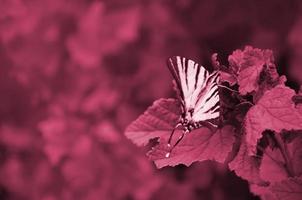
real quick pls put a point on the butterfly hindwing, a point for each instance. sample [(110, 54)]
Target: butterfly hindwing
[(207, 105), (197, 87)]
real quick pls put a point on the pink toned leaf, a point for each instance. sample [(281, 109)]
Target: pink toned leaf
[(274, 111), (245, 166), (248, 64), (290, 189), (157, 121), (272, 166), (198, 145)]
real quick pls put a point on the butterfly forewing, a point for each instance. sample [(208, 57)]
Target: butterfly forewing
[(198, 89)]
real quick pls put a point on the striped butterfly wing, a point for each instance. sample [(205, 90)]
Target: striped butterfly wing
[(198, 89)]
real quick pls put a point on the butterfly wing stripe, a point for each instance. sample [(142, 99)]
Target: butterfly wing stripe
[(212, 95), (200, 83), (213, 108), (183, 77), (216, 108), (196, 75), (175, 73), (185, 65)]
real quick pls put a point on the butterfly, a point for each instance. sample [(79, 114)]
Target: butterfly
[(197, 90)]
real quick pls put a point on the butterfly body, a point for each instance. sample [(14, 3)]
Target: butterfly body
[(197, 90)]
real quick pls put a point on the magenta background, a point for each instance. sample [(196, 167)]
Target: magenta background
[(74, 74)]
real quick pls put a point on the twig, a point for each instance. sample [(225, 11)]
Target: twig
[(225, 87), (246, 102)]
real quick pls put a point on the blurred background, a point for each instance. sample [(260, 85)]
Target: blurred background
[(75, 73)]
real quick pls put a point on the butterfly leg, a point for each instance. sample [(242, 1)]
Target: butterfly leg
[(172, 133), (179, 139)]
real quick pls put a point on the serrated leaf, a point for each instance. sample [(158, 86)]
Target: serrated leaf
[(157, 121), (274, 111), (198, 145), (289, 189), (248, 65)]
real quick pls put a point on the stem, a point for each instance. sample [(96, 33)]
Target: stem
[(222, 86), (284, 151), (246, 102)]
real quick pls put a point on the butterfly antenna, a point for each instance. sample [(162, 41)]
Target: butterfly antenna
[(177, 142)]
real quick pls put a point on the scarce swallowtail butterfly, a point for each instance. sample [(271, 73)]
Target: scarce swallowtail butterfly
[(198, 93)]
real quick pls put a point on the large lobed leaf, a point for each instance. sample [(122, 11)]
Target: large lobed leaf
[(278, 173), (198, 145), (274, 111)]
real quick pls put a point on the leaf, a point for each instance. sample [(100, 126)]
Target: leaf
[(157, 121), (272, 166), (198, 145), (248, 64), (289, 189), (274, 111), (246, 166)]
